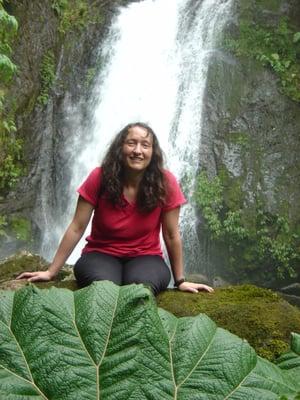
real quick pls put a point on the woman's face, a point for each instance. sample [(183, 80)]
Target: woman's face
[(137, 149)]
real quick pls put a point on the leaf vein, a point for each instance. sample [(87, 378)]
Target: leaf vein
[(24, 379)]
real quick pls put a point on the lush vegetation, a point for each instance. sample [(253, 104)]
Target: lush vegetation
[(10, 145), (107, 341), (75, 14), (47, 75), (277, 47), (258, 242)]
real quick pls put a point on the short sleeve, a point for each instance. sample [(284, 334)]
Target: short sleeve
[(175, 197), (90, 188)]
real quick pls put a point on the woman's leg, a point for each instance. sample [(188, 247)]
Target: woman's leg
[(150, 270), (97, 267)]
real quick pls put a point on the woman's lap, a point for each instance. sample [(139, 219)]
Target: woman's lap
[(149, 270), (96, 266)]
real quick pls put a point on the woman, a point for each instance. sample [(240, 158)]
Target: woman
[(132, 198)]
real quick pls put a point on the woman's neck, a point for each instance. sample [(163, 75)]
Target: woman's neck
[(133, 179)]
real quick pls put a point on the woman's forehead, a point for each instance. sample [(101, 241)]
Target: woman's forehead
[(138, 132)]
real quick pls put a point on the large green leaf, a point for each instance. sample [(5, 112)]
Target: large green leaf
[(290, 361), (109, 342)]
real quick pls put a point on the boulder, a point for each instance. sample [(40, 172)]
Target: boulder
[(260, 316)]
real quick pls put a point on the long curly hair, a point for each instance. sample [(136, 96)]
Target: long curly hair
[(152, 188)]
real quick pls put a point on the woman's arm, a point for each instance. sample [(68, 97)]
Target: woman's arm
[(70, 239), (172, 238)]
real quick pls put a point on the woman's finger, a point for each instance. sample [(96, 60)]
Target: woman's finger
[(33, 278), (25, 275)]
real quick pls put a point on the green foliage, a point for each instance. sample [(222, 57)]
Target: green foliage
[(47, 75), (256, 239), (8, 29), (3, 224), (10, 146), (21, 227), (90, 76), (209, 197), (274, 47), (10, 158), (109, 342), (73, 14)]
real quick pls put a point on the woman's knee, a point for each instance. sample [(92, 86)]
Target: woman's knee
[(152, 271), (92, 267)]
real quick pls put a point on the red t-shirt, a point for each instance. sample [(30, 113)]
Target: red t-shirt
[(125, 231)]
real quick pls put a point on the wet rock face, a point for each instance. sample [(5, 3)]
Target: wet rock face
[(42, 49), (251, 133)]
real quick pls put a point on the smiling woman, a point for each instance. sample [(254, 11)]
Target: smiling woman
[(132, 198), (137, 149)]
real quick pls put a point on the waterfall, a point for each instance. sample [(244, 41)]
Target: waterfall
[(156, 60)]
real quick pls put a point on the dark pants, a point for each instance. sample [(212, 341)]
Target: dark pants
[(149, 270)]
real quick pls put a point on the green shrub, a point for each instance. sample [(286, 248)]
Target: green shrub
[(47, 76), (10, 145), (277, 48), (257, 241)]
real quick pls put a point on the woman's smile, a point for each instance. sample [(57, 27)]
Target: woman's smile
[(137, 149)]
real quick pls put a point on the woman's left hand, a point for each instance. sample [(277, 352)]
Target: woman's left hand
[(194, 287)]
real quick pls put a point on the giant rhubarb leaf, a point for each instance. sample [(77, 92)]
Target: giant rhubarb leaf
[(109, 342), (290, 361)]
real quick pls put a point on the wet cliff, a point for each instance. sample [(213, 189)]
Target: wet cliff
[(56, 60), (250, 148)]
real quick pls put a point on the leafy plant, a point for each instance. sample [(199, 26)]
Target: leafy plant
[(111, 342), (275, 47), (253, 236), (3, 224), (73, 14), (10, 146), (47, 74)]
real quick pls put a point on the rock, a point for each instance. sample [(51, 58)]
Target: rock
[(25, 261), (197, 278), (260, 316), (220, 282), (292, 289)]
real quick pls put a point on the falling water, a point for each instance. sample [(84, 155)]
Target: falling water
[(157, 55)]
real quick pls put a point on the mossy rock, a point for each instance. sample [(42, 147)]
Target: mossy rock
[(258, 315), (14, 266)]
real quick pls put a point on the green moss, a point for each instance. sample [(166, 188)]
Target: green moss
[(14, 266), (233, 196), (272, 5), (15, 226), (21, 228), (258, 315), (240, 138)]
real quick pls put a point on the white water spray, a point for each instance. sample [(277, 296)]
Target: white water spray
[(157, 56)]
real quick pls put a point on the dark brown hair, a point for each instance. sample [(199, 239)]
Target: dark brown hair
[(152, 190)]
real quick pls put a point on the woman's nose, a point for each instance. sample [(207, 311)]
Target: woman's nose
[(138, 148)]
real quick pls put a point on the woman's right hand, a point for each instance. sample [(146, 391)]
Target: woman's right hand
[(36, 276)]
